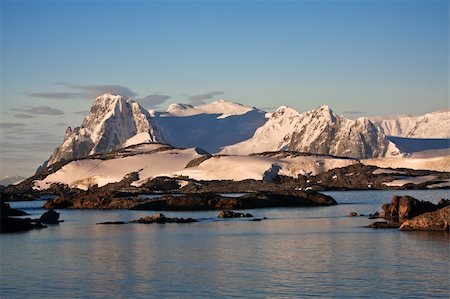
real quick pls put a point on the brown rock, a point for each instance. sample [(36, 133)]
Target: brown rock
[(232, 214), (431, 221), (160, 218), (352, 214), (384, 224)]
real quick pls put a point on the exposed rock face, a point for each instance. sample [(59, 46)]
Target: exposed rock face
[(432, 221), (112, 121), (317, 131), (407, 213), (406, 207), (232, 214), (324, 132)]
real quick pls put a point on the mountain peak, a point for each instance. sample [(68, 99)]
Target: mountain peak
[(111, 122)]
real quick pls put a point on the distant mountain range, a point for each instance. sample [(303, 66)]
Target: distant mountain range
[(431, 125), (225, 127)]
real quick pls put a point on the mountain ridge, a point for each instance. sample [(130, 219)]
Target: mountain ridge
[(226, 127)]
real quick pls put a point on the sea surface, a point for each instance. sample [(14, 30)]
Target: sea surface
[(295, 253)]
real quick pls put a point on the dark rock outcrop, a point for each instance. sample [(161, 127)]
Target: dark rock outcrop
[(406, 207), (191, 201), (14, 225), (431, 221), (419, 215), (7, 211), (210, 201), (50, 217), (232, 214), (112, 222)]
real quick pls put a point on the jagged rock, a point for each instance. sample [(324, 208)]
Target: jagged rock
[(232, 214), (112, 123), (318, 131), (431, 221), (50, 217)]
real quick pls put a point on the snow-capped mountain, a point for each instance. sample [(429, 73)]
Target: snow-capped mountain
[(431, 125), (8, 180), (210, 126), (317, 131), (112, 123)]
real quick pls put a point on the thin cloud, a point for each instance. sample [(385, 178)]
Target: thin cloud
[(56, 95), (95, 90), (153, 100), (352, 113), (201, 98), (23, 116), (84, 91), (41, 110), (83, 112)]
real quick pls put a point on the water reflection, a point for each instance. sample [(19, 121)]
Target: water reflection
[(295, 253)]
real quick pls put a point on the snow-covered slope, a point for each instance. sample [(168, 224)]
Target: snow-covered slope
[(435, 163), (112, 123), (317, 131), (430, 125), (153, 160), (211, 126), (222, 107)]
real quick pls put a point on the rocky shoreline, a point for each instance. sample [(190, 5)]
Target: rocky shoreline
[(353, 177), (192, 201)]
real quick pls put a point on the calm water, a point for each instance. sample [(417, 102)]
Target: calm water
[(297, 252)]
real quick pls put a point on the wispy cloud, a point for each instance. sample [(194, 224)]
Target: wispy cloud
[(153, 100), (42, 110), (24, 116), (56, 95), (201, 98), (355, 113), (83, 112), (87, 92)]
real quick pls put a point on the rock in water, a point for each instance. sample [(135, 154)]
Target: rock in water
[(160, 218), (50, 217), (232, 214), (6, 210), (384, 224), (432, 221), (406, 207), (14, 225)]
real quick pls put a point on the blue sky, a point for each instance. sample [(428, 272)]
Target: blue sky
[(359, 57)]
